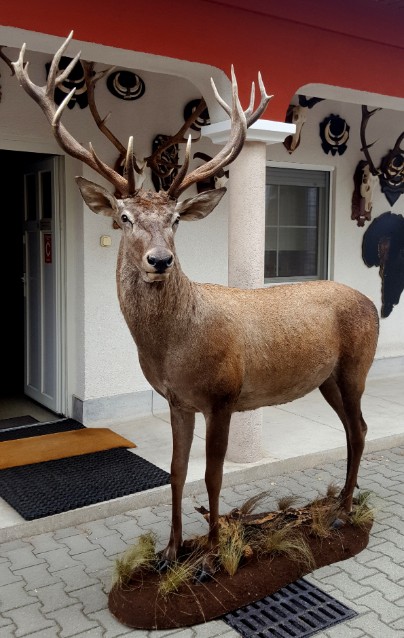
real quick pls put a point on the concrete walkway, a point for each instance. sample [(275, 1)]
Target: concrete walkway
[(55, 584), (55, 573)]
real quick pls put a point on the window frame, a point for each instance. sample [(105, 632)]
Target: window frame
[(324, 227)]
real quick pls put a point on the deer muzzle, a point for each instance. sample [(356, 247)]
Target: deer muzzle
[(158, 263)]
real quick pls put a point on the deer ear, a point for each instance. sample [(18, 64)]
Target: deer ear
[(97, 198), (200, 206)]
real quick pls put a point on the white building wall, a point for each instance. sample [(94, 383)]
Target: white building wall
[(101, 355)]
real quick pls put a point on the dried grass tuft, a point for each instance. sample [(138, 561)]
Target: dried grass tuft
[(141, 555), (289, 542), (233, 545), (363, 513), (285, 502), (177, 574)]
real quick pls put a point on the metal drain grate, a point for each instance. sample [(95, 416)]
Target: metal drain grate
[(298, 610)]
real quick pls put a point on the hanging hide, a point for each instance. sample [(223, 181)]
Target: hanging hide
[(383, 246), (126, 85), (334, 134), (75, 80)]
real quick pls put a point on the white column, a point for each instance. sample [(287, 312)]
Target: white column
[(246, 270), (246, 249)]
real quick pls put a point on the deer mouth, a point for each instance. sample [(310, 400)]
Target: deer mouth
[(151, 277)]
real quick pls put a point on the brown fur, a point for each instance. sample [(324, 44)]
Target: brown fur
[(219, 350)]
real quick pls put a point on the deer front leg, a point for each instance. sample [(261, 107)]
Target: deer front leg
[(217, 436), (182, 428)]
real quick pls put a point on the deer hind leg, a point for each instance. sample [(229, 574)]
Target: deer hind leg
[(217, 435), (182, 427), (345, 399)]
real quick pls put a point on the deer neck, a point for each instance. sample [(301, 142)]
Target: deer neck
[(155, 312)]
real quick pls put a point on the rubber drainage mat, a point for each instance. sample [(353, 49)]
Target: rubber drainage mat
[(298, 610)]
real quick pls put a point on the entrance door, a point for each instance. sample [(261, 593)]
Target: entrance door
[(42, 283)]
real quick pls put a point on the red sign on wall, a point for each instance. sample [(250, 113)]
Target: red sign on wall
[(47, 244)]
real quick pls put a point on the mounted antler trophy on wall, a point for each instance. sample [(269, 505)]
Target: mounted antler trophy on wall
[(390, 174)]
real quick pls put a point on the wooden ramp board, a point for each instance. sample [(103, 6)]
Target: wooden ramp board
[(49, 447)]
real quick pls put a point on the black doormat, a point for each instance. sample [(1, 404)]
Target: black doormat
[(44, 489), (298, 610), (37, 429), (17, 421)]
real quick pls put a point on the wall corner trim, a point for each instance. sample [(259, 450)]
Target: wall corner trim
[(266, 131)]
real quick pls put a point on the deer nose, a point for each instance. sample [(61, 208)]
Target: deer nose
[(161, 260)]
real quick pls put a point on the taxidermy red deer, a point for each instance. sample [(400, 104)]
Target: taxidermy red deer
[(212, 349)]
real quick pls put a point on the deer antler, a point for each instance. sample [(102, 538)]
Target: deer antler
[(126, 156), (240, 121), (366, 115), (126, 185), (43, 95)]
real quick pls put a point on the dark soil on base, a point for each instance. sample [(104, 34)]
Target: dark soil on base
[(140, 605)]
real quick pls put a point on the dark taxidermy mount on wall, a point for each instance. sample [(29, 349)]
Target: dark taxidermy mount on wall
[(126, 85), (75, 80), (383, 246), (166, 167), (334, 134), (202, 120), (8, 62)]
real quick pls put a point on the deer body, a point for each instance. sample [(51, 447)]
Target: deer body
[(207, 348), (251, 348)]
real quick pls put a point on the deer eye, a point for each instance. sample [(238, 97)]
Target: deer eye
[(125, 218), (176, 221)]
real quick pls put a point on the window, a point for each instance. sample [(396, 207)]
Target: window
[(296, 224)]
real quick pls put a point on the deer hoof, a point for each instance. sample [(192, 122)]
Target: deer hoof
[(203, 575), (163, 564), (337, 523)]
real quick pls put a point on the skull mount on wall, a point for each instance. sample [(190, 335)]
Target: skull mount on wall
[(362, 196), (297, 114)]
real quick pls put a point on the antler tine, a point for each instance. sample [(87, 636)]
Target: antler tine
[(54, 67), (262, 105), (183, 170), (366, 115), (240, 121), (130, 168), (43, 96)]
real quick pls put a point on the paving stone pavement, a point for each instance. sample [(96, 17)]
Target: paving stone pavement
[(55, 584)]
